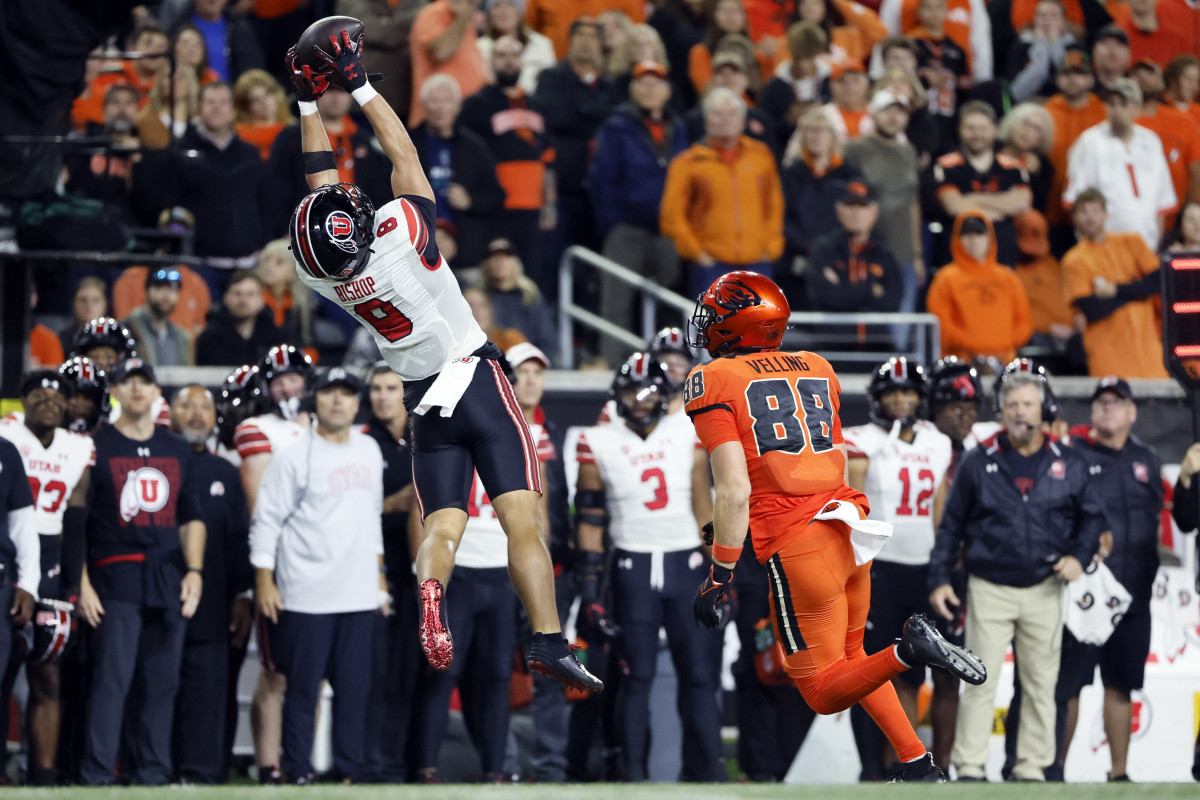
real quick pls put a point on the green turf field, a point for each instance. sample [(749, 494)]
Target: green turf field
[(1011, 791)]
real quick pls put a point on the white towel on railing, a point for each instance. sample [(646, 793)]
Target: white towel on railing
[(867, 536), (447, 389)]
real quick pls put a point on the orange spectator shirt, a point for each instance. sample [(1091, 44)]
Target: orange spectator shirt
[(1162, 45), (553, 18), (465, 66), (955, 27), (783, 408), (1181, 145), (45, 348), (1128, 342), (261, 136), (1068, 124), (1047, 292), (129, 292)]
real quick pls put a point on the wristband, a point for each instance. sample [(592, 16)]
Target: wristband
[(364, 94), (730, 555), (319, 161), (195, 569), (307, 107)]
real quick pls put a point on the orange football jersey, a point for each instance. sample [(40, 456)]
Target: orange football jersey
[(783, 408)]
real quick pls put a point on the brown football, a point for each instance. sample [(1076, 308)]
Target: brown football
[(317, 35)]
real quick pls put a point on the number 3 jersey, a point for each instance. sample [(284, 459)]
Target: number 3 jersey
[(407, 296), (647, 482), (53, 471), (902, 480), (783, 410)]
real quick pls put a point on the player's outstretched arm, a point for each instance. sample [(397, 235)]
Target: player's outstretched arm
[(345, 57), (731, 509), (320, 168)]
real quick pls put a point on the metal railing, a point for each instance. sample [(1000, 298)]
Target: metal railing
[(816, 330)]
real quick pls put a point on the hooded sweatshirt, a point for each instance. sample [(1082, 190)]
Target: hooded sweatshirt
[(981, 305)]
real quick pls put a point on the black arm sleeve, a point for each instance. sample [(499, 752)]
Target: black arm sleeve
[(1146, 286), (1096, 309), (74, 546), (428, 212), (1186, 505)]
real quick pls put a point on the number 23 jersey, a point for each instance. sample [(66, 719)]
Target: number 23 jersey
[(902, 480), (407, 296), (53, 471), (783, 409)]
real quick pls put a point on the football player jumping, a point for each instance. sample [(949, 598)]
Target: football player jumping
[(383, 267)]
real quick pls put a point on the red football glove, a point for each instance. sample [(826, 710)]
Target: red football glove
[(309, 85)]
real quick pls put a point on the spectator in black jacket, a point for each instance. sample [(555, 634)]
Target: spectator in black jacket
[(220, 178), (1132, 490), (814, 177), (574, 98), (798, 85), (222, 617), (848, 268), (461, 169), (516, 300), (357, 161), (1029, 514), (680, 25), (242, 330), (626, 179), (230, 41)]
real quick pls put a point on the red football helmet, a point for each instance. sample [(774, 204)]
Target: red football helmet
[(741, 311)]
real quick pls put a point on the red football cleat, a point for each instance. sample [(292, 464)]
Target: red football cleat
[(435, 637)]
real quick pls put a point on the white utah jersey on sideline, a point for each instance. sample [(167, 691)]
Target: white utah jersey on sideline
[(647, 482), (53, 471), (415, 310), (902, 480), (484, 544), (266, 433), (980, 433)]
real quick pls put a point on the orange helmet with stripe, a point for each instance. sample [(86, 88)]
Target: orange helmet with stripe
[(742, 312)]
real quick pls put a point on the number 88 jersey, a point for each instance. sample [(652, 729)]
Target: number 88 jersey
[(53, 471), (902, 480)]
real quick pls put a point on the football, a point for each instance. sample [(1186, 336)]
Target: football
[(317, 35)]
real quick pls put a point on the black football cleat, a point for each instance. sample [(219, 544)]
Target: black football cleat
[(921, 643), (550, 655), (923, 770)]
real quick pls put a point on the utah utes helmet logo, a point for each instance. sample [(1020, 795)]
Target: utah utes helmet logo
[(145, 489), (340, 228)]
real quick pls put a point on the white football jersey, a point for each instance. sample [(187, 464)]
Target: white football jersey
[(902, 480), (415, 310), (53, 471), (980, 433), (484, 543), (266, 433), (647, 482)]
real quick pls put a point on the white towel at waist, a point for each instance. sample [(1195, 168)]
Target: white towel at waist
[(448, 387), (867, 536)]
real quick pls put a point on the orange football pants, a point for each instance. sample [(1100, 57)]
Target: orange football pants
[(819, 603)]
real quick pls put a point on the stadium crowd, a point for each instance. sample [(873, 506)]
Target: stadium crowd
[(1015, 168)]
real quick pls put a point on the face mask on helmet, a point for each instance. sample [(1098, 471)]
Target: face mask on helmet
[(240, 397), (641, 390), (91, 402), (897, 392), (331, 232), (279, 362)]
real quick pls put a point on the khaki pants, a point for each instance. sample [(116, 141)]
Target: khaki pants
[(1031, 618)]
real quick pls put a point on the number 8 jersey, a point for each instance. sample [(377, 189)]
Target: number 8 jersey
[(902, 480), (783, 409), (406, 295)]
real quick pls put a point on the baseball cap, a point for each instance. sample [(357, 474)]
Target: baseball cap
[(1112, 32), (649, 67), (884, 98), (1117, 385), (1033, 234), (857, 193), (1146, 64), (728, 58), (845, 68), (164, 276), (500, 246), (337, 376), (124, 370), (973, 225), (518, 354), (1075, 60), (1127, 88)]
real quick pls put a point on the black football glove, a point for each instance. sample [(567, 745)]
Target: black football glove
[(599, 620), (309, 85), (711, 602), (345, 59)]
